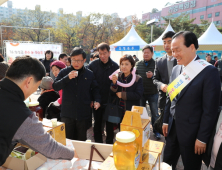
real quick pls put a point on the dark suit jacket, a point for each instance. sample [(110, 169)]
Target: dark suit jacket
[(196, 107), (207, 154), (161, 76)]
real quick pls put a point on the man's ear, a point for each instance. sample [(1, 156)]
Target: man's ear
[(28, 81), (193, 47)]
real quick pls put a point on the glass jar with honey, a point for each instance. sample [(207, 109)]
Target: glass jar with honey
[(126, 151), (34, 107)]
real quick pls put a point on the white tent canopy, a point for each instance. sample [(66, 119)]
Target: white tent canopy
[(131, 42), (159, 41), (211, 36)]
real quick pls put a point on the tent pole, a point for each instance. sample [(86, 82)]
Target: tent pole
[(151, 33)]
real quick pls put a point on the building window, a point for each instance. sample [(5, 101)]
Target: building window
[(217, 14), (209, 15), (202, 17), (217, 22)]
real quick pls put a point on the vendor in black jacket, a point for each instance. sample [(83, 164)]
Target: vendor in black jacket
[(102, 69), (78, 85), (127, 96), (18, 124)]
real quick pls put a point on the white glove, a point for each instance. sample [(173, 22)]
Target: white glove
[(56, 103)]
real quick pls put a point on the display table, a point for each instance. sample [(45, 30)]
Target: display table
[(74, 164)]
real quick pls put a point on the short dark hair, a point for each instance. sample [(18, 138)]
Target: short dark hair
[(62, 55), (102, 46), (1, 58), (189, 38), (26, 66), (168, 34), (134, 55), (148, 47), (208, 55), (129, 58), (69, 59), (96, 55), (49, 52), (215, 57), (77, 51)]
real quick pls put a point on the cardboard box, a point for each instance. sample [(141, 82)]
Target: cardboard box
[(58, 132), (151, 162), (138, 122), (49, 130), (30, 164), (154, 146)]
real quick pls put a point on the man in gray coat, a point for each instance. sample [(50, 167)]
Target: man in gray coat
[(163, 69)]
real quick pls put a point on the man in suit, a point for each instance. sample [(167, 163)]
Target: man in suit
[(163, 69), (192, 114)]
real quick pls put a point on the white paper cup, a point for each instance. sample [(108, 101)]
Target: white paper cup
[(54, 122), (76, 73), (116, 74)]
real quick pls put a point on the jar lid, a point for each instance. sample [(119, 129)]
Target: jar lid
[(33, 104), (125, 137)]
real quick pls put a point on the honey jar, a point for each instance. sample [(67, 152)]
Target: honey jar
[(125, 151)]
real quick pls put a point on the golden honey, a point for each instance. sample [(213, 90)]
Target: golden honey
[(125, 151)]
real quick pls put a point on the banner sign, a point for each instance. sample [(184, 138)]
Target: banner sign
[(125, 48), (14, 50)]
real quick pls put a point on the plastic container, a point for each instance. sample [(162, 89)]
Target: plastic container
[(34, 107), (125, 151)]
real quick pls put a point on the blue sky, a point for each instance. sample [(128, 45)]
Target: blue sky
[(122, 7)]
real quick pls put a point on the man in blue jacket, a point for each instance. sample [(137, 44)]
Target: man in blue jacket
[(190, 117), (79, 86)]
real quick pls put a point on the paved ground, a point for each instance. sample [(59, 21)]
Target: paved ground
[(35, 96)]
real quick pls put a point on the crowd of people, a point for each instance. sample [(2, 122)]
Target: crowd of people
[(191, 120)]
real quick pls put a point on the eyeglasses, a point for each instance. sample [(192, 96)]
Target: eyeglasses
[(77, 61)]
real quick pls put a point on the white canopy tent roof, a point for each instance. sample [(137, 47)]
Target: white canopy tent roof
[(129, 43), (211, 36), (159, 41)]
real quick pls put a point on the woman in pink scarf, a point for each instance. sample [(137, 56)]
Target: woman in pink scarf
[(127, 87)]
